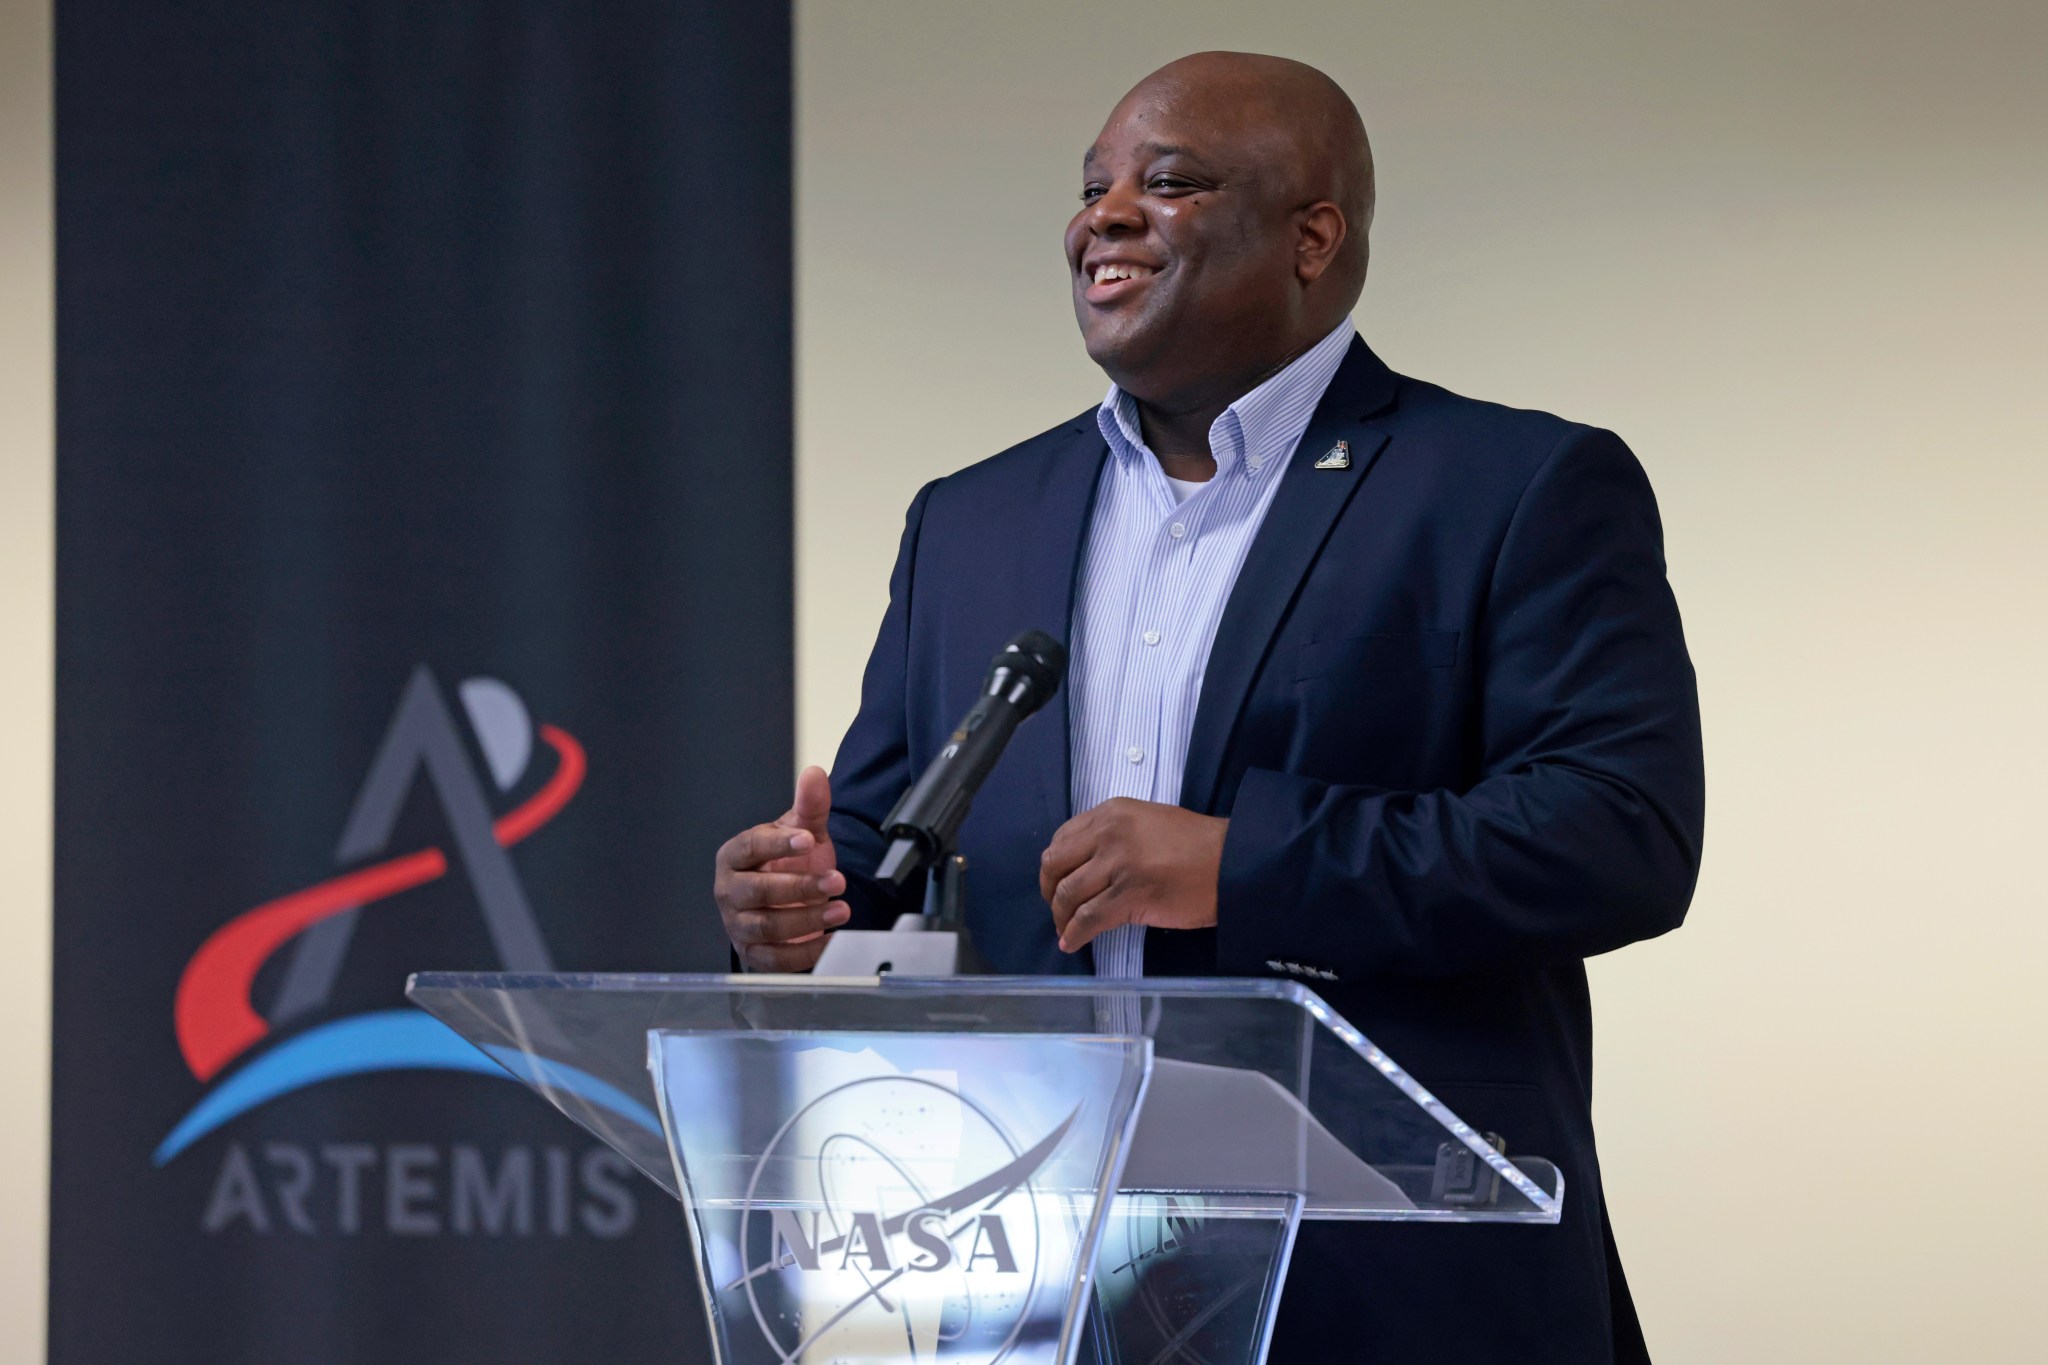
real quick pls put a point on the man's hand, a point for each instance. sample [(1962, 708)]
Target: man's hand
[(775, 884), (1132, 862)]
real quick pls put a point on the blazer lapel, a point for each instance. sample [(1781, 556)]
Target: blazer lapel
[(1305, 507), (1050, 563)]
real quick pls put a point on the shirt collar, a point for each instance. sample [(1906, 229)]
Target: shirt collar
[(1254, 434)]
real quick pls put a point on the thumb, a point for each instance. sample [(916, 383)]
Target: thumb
[(813, 805)]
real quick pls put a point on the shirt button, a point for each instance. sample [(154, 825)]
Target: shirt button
[(1135, 754), (1150, 637), (1256, 461), (1177, 530)]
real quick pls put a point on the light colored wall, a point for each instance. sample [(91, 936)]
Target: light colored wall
[(26, 531), (1792, 252)]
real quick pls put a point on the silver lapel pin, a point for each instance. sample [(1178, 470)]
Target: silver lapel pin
[(1337, 456)]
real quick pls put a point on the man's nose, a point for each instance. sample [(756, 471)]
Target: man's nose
[(1119, 209)]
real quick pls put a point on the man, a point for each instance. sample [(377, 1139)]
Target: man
[(1371, 685)]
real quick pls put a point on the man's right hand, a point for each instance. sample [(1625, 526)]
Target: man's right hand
[(775, 884)]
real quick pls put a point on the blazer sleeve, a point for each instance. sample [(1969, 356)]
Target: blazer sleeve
[(1583, 831), (873, 766)]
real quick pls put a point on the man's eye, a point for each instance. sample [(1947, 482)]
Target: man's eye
[(1091, 193), (1169, 182)]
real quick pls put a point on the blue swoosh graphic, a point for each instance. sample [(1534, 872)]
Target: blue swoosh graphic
[(388, 1040)]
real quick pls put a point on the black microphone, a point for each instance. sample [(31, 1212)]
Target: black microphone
[(921, 828)]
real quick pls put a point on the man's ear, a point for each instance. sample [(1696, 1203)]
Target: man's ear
[(1322, 232)]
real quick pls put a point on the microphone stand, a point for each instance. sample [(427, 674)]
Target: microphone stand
[(923, 825), (945, 894), (933, 942)]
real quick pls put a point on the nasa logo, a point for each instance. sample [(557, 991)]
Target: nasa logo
[(865, 1248)]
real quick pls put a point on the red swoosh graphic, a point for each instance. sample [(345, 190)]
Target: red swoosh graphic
[(215, 1021)]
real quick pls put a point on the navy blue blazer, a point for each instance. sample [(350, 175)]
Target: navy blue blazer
[(1450, 716)]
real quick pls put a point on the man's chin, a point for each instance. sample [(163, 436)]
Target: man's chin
[(1124, 352)]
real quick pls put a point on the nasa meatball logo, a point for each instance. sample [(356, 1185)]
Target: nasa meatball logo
[(862, 1248)]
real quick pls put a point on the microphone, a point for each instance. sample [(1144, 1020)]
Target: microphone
[(921, 828)]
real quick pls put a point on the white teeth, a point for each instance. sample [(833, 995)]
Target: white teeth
[(1107, 272)]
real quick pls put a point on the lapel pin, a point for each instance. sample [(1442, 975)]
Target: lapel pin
[(1337, 456)]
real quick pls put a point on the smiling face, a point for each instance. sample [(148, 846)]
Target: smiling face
[(1201, 254)]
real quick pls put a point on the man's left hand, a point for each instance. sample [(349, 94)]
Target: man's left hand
[(1131, 862)]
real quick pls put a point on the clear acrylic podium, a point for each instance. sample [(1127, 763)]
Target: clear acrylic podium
[(985, 1169)]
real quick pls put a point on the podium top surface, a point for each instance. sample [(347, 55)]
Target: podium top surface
[(1256, 1085)]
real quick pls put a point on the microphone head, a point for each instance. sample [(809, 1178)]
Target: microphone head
[(1036, 656)]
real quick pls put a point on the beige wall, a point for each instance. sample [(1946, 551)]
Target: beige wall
[(1793, 253), (25, 642)]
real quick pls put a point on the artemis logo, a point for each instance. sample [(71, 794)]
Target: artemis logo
[(249, 1058), (417, 1189)]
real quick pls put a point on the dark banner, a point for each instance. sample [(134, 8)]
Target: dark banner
[(424, 602)]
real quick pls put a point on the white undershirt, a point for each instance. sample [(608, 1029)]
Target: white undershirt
[(1183, 489)]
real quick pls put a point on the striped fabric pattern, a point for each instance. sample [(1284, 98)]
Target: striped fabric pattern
[(1154, 580)]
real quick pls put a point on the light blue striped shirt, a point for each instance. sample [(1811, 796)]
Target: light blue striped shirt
[(1154, 579)]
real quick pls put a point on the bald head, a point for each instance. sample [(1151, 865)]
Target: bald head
[(1225, 206), (1306, 130)]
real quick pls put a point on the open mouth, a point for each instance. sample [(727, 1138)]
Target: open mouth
[(1110, 280)]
